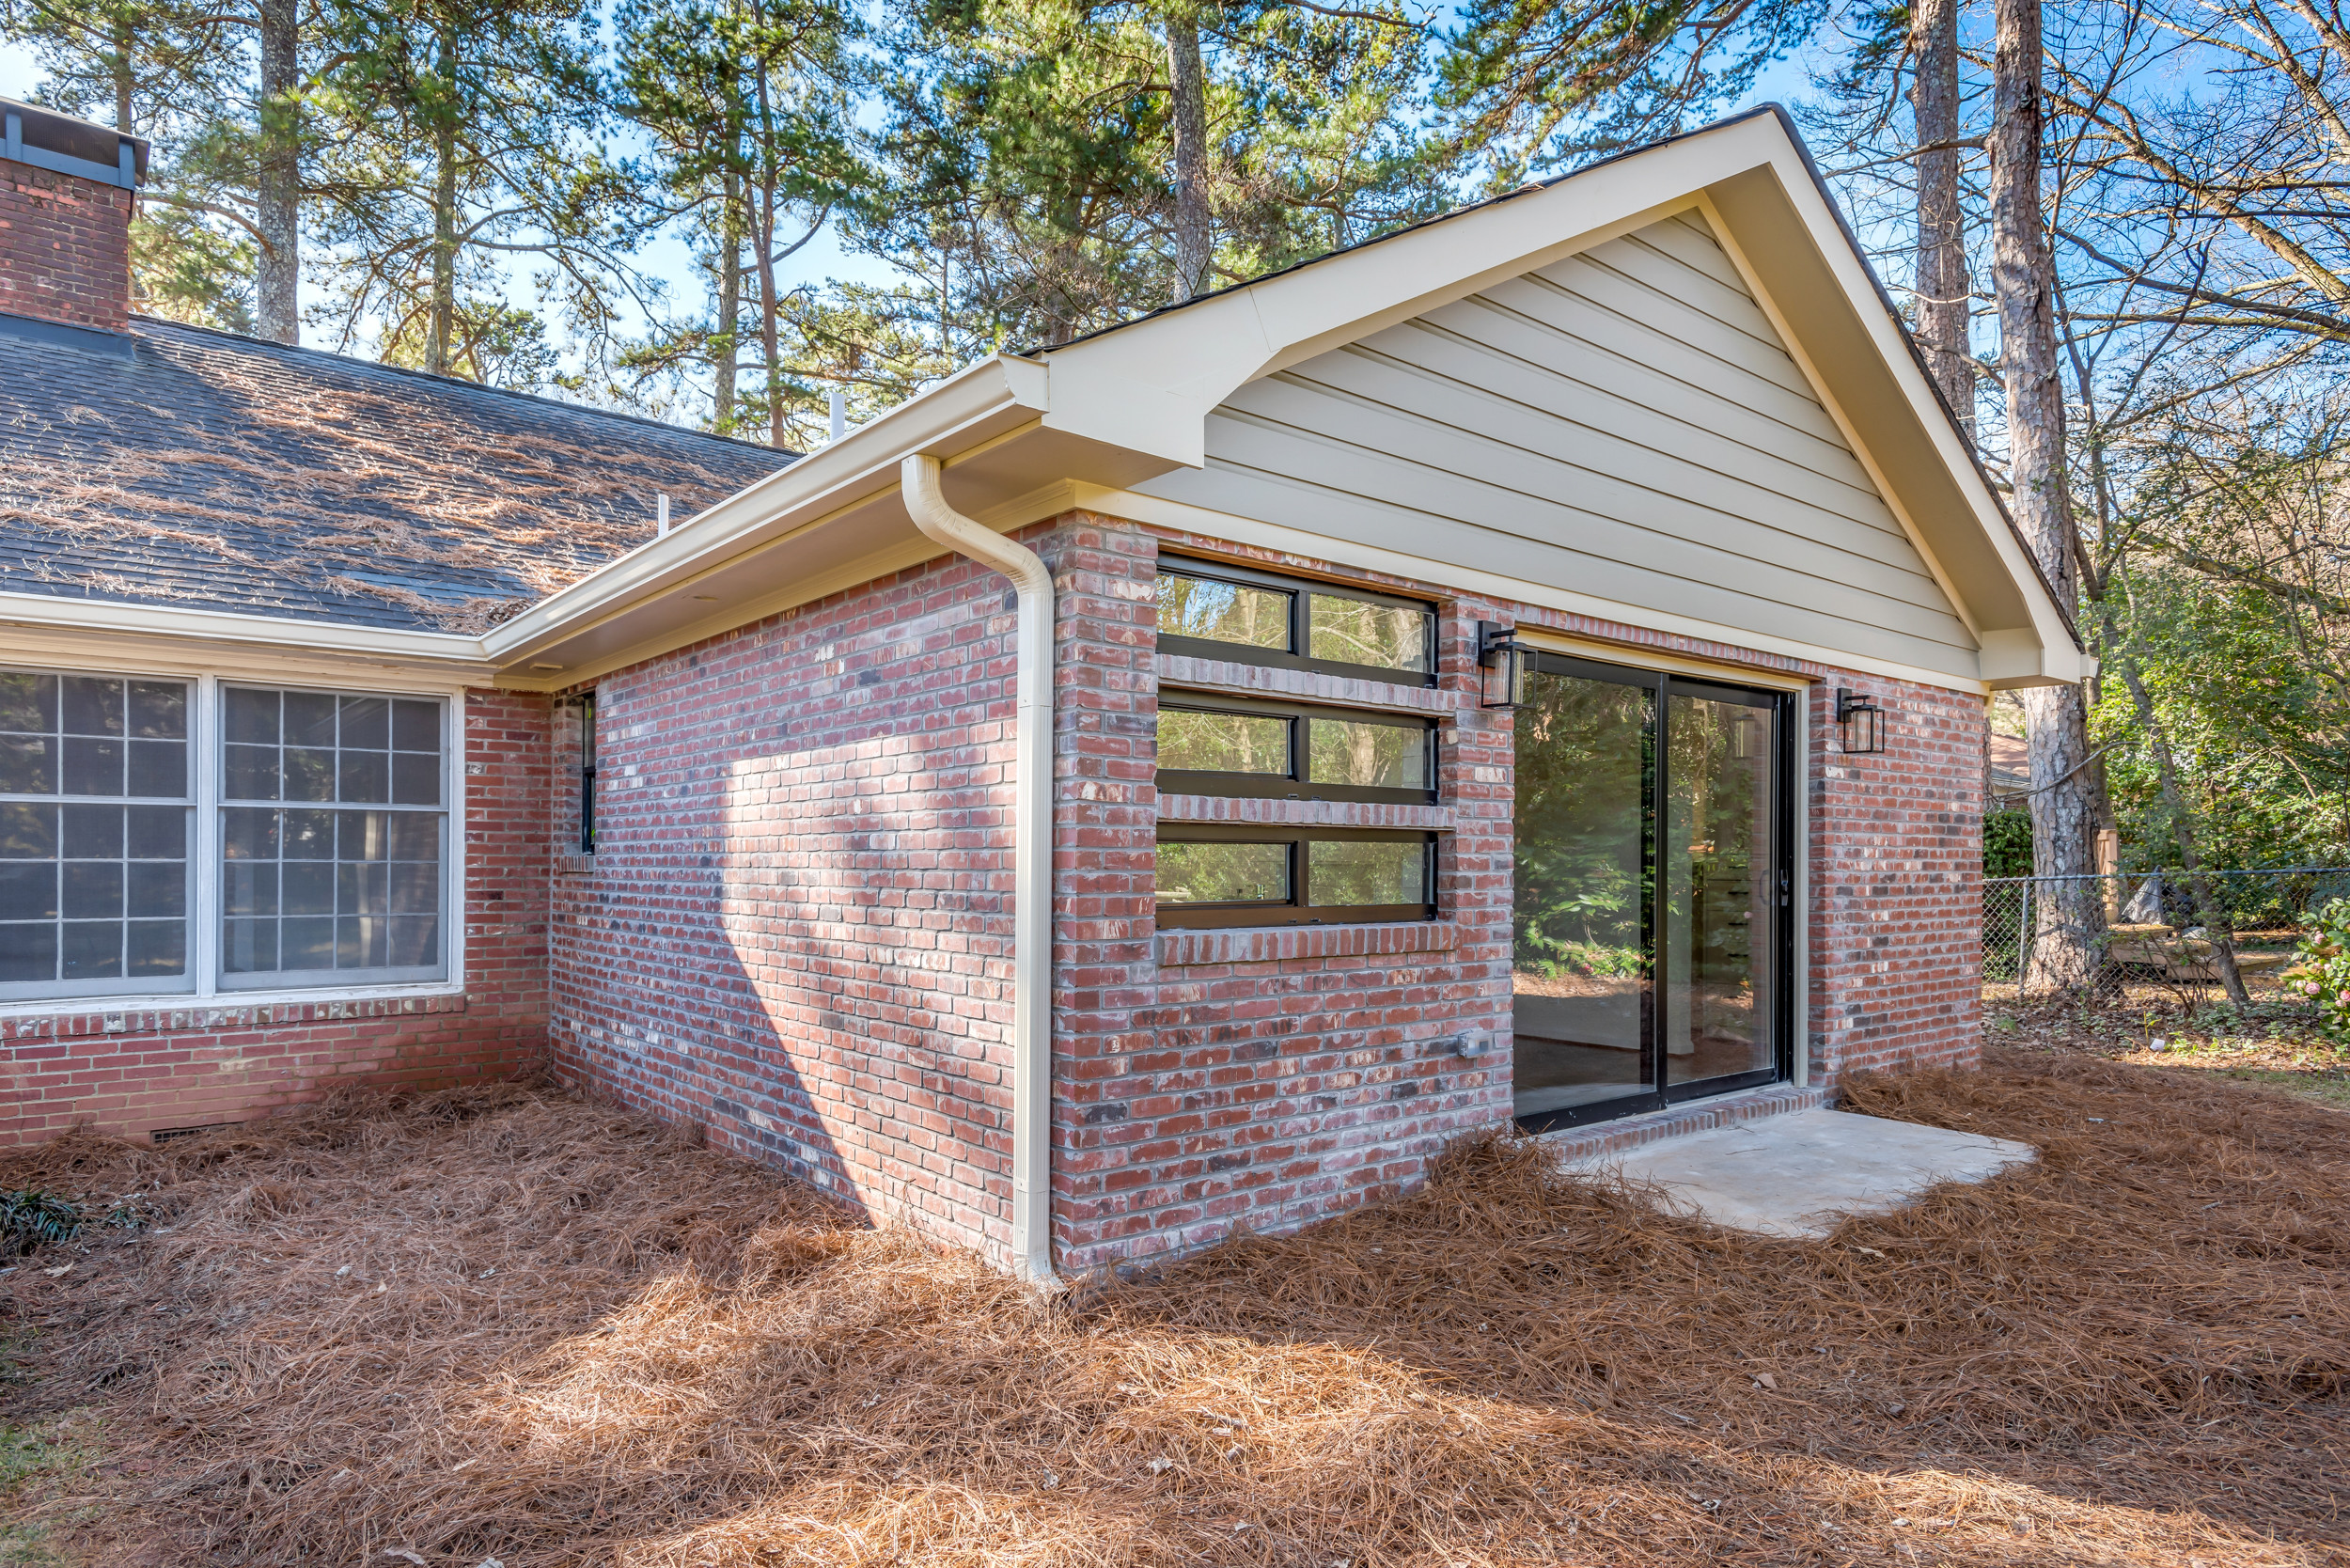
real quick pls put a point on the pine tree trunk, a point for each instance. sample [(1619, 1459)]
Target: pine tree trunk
[(725, 352), (1944, 286), (276, 305), (443, 321), (118, 60), (2064, 815), (1188, 82), (769, 332)]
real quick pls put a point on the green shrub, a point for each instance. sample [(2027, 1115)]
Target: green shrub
[(31, 1217), (2321, 967), (2007, 843)]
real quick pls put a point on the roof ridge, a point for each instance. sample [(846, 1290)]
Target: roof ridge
[(247, 342)]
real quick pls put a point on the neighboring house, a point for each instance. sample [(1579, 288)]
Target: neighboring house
[(1532, 665)]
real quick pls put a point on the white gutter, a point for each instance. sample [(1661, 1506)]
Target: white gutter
[(1031, 856)]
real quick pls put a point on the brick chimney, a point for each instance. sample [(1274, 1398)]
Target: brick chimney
[(66, 188)]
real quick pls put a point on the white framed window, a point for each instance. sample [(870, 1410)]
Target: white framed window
[(204, 835)]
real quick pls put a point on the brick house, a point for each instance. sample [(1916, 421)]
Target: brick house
[(1530, 666)]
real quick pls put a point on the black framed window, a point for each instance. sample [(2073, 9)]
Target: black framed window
[(1212, 745), (588, 773), (1213, 611), (1216, 874)]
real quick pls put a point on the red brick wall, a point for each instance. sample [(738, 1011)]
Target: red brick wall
[(65, 247), (796, 929), (1896, 872), (196, 1063)]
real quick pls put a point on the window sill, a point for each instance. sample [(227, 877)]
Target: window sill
[(1302, 813), (173, 1012), (1182, 949), (1226, 675)]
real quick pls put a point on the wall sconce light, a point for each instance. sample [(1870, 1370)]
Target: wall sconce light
[(1504, 663), (1863, 722)]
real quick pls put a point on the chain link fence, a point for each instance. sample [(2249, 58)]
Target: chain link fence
[(2155, 924)]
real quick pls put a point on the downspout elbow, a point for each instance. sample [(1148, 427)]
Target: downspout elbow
[(1032, 858)]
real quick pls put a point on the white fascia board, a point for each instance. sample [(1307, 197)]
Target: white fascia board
[(214, 639), (859, 465)]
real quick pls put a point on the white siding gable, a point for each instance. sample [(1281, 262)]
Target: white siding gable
[(1624, 424)]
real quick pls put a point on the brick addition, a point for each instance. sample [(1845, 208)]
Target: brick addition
[(195, 1062)]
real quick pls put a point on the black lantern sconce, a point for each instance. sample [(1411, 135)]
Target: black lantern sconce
[(1863, 722), (1504, 663)]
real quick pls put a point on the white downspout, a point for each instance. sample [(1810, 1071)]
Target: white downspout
[(1032, 860)]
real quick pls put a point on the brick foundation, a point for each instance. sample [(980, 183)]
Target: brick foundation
[(199, 1062)]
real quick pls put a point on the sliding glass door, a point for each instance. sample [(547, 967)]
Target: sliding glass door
[(1654, 879)]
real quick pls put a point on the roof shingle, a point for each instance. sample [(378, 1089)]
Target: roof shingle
[(210, 471)]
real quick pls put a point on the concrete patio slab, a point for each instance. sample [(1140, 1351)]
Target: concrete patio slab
[(1798, 1175)]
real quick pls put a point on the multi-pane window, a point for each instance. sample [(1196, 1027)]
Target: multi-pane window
[(1216, 747), (95, 810), (1217, 875), (1216, 743), (180, 835), (1224, 612), (346, 875)]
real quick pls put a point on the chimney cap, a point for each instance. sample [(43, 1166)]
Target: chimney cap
[(64, 144)]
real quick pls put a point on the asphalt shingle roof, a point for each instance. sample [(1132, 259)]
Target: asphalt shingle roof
[(204, 470)]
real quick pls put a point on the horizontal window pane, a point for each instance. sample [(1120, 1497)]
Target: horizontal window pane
[(1224, 742), (249, 947), (249, 833), (28, 702), (415, 941), (249, 889), (92, 890), (1369, 756), (307, 944), (28, 953), (307, 887), (309, 835), (156, 890), (367, 724), (415, 836), (1359, 872), (1223, 873), (28, 764), (1223, 612), (415, 889), (1352, 631)]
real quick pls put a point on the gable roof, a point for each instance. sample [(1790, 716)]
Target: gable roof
[(1025, 435), (200, 470)]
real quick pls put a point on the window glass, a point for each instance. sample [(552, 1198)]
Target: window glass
[(1224, 873), (333, 840), (1356, 632), (1224, 742), (1356, 871), (1223, 612), (94, 823), (1368, 755)]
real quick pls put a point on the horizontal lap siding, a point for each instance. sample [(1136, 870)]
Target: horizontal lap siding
[(1624, 424)]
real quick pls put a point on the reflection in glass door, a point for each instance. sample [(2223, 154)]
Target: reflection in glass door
[(1652, 880)]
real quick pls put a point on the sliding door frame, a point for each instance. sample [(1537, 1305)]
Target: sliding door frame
[(1786, 709)]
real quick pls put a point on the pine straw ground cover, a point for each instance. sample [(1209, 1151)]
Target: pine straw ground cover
[(504, 1325)]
